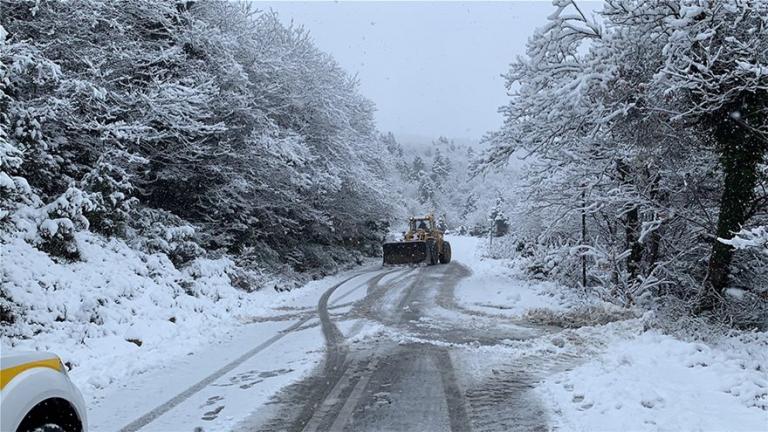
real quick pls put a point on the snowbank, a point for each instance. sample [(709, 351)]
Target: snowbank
[(496, 287), (655, 382), (119, 306)]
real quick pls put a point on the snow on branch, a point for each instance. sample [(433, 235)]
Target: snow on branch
[(754, 238)]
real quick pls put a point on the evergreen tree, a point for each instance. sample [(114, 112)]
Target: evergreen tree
[(499, 221), (441, 167), (417, 168), (427, 188)]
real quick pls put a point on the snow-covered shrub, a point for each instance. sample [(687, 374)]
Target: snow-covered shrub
[(7, 315), (744, 309), (60, 220), (111, 190), (160, 231), (544, 260), (14, 190), (58, 238), (510, 246), (245, 280), (557, 262), (10, 156)]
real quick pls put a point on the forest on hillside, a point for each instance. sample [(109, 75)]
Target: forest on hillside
[(435, 176), (132, 118)]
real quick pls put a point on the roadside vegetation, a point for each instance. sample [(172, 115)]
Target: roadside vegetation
[(644, 134), (180, 130)]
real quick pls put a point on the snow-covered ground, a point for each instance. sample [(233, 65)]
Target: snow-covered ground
[(494, 288), (221, 383), (126, 400), (136, 331), (628, 378), (654, 382), (227, 352)]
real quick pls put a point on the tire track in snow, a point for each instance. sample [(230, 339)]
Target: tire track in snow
[(210, 379), (454, 397), (335, 368)]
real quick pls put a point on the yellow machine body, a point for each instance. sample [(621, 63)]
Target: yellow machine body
[(423, 243)]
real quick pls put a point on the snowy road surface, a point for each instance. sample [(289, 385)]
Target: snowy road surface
[(446, 347), (381, 349)]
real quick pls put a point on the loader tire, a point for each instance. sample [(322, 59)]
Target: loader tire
[(445, 255)]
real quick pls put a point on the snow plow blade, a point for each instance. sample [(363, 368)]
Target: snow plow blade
[(405, 252)]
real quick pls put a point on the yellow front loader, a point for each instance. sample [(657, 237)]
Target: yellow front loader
[(422, 243)]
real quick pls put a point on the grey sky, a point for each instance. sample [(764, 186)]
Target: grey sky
[(432, 68)]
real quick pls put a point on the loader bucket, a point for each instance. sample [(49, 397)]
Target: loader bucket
[(405, 252)]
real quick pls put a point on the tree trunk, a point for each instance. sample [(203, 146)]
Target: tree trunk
[(631, 226), (634, 246), (654, 238), (740, 152)]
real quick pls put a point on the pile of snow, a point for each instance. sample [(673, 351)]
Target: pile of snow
[(656, 382), (118, 305), (497, 287)]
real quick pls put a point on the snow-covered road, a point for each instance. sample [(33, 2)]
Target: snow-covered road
[(376, 352), (446, 347)]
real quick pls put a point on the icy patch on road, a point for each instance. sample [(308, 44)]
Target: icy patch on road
[(656, 382)]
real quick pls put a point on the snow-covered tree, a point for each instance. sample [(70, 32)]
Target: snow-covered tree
[(644, 130), (416, 169), (441, 167), (212, 111), (497, 218)]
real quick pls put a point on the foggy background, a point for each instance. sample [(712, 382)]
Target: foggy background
[(432, 68)]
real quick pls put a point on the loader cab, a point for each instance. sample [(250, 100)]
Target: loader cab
[(422, 228), (423, 224)]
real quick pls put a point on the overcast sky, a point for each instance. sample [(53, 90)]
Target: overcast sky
[(432, 68)]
